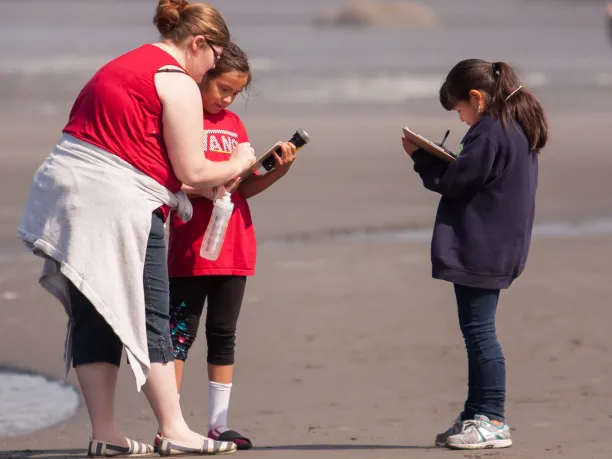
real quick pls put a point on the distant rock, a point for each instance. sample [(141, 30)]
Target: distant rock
[(367, 13)]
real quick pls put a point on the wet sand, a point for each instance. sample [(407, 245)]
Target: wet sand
[(351, 349)]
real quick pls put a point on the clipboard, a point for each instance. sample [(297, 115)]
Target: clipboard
[(257, 164), (428, 146)]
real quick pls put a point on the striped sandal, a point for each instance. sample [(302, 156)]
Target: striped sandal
[(209, 447), (135, 449)]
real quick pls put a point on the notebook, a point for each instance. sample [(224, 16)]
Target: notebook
[(257, 164), (428, 146)]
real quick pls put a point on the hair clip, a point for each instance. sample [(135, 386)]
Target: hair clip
[(514, 92)]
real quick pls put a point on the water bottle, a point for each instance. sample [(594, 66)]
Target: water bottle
[(217, 226)]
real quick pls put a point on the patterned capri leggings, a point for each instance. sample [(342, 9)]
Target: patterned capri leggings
[(187, 298)]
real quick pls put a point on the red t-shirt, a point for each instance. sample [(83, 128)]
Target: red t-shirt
[(119, 111), (222, 133)]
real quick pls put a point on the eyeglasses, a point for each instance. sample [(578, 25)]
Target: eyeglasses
[(216, 54)]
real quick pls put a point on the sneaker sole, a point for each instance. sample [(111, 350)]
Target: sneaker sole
[(493, 444), (181, 454), (119, 456)]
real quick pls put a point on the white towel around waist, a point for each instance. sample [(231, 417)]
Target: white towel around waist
[(88, 214)]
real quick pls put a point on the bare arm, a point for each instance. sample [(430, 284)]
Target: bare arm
[(191, 192), (255, 184), (183, 120), (197, 192)]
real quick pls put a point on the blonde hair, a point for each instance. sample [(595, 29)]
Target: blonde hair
[(177, 20)]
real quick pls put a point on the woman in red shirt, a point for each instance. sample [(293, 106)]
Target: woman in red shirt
[(193, 279), (94, 213)]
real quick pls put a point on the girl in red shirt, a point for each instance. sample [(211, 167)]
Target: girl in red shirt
[(193, 279)]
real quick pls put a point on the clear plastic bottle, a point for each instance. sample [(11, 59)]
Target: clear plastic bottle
[(217, 226)]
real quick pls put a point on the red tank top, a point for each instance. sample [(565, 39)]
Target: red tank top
[(222, 132), (119, 111)]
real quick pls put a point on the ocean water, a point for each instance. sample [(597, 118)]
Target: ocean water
[(31, 402), (552, 43)]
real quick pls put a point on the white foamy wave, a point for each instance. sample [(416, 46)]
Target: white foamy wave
[(372, 89), (31, 402), (67, 64), (382, 89), (260, 65), (536, 79), (603, 79), (59, 65)]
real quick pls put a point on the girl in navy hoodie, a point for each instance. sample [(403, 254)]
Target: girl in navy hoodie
[(483, 226)]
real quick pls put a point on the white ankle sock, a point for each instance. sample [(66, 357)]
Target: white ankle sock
[(218, 405)]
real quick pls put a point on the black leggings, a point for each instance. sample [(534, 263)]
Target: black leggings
[(187, 297)]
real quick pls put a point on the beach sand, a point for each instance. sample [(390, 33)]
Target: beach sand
[(348, 348)]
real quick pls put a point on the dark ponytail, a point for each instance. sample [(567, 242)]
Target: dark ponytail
[(504, 99)]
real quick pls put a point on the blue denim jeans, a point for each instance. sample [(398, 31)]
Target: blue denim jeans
[(94, 340), (486, 363)]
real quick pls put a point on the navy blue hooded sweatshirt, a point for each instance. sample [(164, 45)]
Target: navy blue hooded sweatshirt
[(485, 217)]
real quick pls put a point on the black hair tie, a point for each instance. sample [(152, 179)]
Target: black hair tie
[(496, 71)]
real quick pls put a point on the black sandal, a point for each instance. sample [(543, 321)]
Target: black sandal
[(239, 440)]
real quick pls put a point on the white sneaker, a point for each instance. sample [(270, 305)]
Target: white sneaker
[(480, 434), (453, 430)]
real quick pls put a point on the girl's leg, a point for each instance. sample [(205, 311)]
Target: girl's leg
[(187, 298), (223, 374), (96, 355), (487, 368), (179, 367), (224, 304)]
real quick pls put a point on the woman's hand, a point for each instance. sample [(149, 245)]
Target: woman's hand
[(409, 147), (218, 192), (230, 187), (243, 156), (284, 162)]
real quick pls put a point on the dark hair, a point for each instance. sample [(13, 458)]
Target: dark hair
[(500, 83), (177, 20), (234, 59)]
